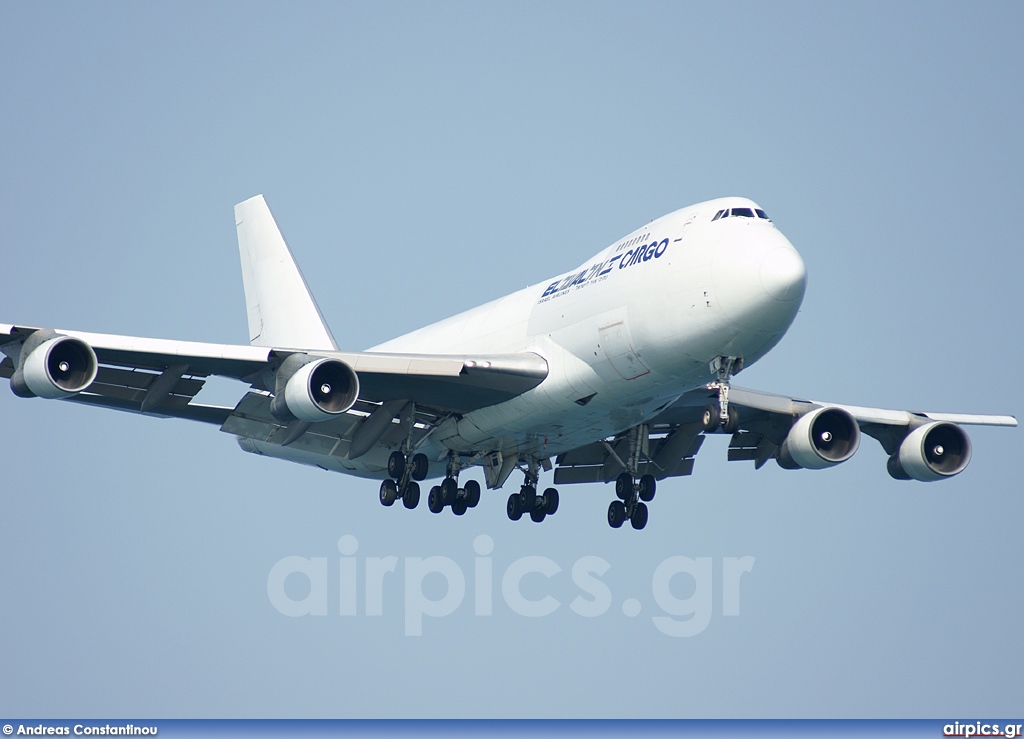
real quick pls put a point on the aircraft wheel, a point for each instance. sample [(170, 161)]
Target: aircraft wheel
[(472, 493), (624, 486), (420, 467), (733, 424), (459, 507), (711, 419), (449, 490), (616, 514), (528, 497), (647, 487), (396, 465), (411, 496), (435, 501), (388, 492), (639, 517), (550, 501), (537, 515), (514, 509)]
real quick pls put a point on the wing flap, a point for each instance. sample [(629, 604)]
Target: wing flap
[(672, 453)]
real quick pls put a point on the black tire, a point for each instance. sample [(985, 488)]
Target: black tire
[(388, 492), (624, 486), (420, 467), (537, 515), (411, 496), (528, 497), (513, 509), (435, 501), (711, 419), (639, 518), (396, 465), (647, 487), (550, 501), (449, 490), (459, 507), (733, 424), (616, 514), (472, 493)]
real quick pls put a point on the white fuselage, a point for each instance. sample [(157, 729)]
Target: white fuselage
[(634, 327)]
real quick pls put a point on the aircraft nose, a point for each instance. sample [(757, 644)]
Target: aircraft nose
[(759, 282), (783, 274)]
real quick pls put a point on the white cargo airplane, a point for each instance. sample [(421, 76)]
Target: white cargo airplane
[(614, 370)]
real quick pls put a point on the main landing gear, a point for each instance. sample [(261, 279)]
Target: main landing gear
[(448, 493), (528, 501), (633, 494), (633, 497), (403, 476)]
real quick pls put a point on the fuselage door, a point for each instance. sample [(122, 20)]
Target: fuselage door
[(615, 342)]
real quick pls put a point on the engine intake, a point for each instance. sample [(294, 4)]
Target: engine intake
[(56, 367), (931, 452), (822, 438), (314, 389)]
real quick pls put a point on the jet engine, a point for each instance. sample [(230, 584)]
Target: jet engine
[(54, 367), (930, 452), (819, 439), (314, 389)]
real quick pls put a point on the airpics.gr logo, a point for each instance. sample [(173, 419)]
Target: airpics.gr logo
[(421, 577), (982, 729)]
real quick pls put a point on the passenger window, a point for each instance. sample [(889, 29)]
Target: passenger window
[(745, 212)]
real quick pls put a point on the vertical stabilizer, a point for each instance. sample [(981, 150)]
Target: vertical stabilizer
[(282, 312)]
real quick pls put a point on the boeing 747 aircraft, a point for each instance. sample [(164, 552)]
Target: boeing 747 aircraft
[(611, 372)]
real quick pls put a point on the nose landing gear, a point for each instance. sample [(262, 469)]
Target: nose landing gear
[(719, 416)]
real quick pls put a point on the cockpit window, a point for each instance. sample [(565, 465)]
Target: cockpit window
[(742, 213)]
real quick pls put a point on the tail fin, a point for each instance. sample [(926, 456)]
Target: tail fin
[(282, 312)]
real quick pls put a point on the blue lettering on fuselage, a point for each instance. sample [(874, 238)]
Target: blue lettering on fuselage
[(596, 272)]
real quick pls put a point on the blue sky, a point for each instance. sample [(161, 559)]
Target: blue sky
[(422, 159)]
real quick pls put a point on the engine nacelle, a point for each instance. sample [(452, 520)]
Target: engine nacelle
[(931, 452), (57, 367), (314, 389), (819, 439)]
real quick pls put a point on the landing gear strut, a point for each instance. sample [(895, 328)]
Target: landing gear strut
[(528, 501), (633, 494), (448, 493), (402, 483)]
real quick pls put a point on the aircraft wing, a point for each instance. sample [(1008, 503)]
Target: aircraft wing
[(765, 419), (765, 422), (162, 377)]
